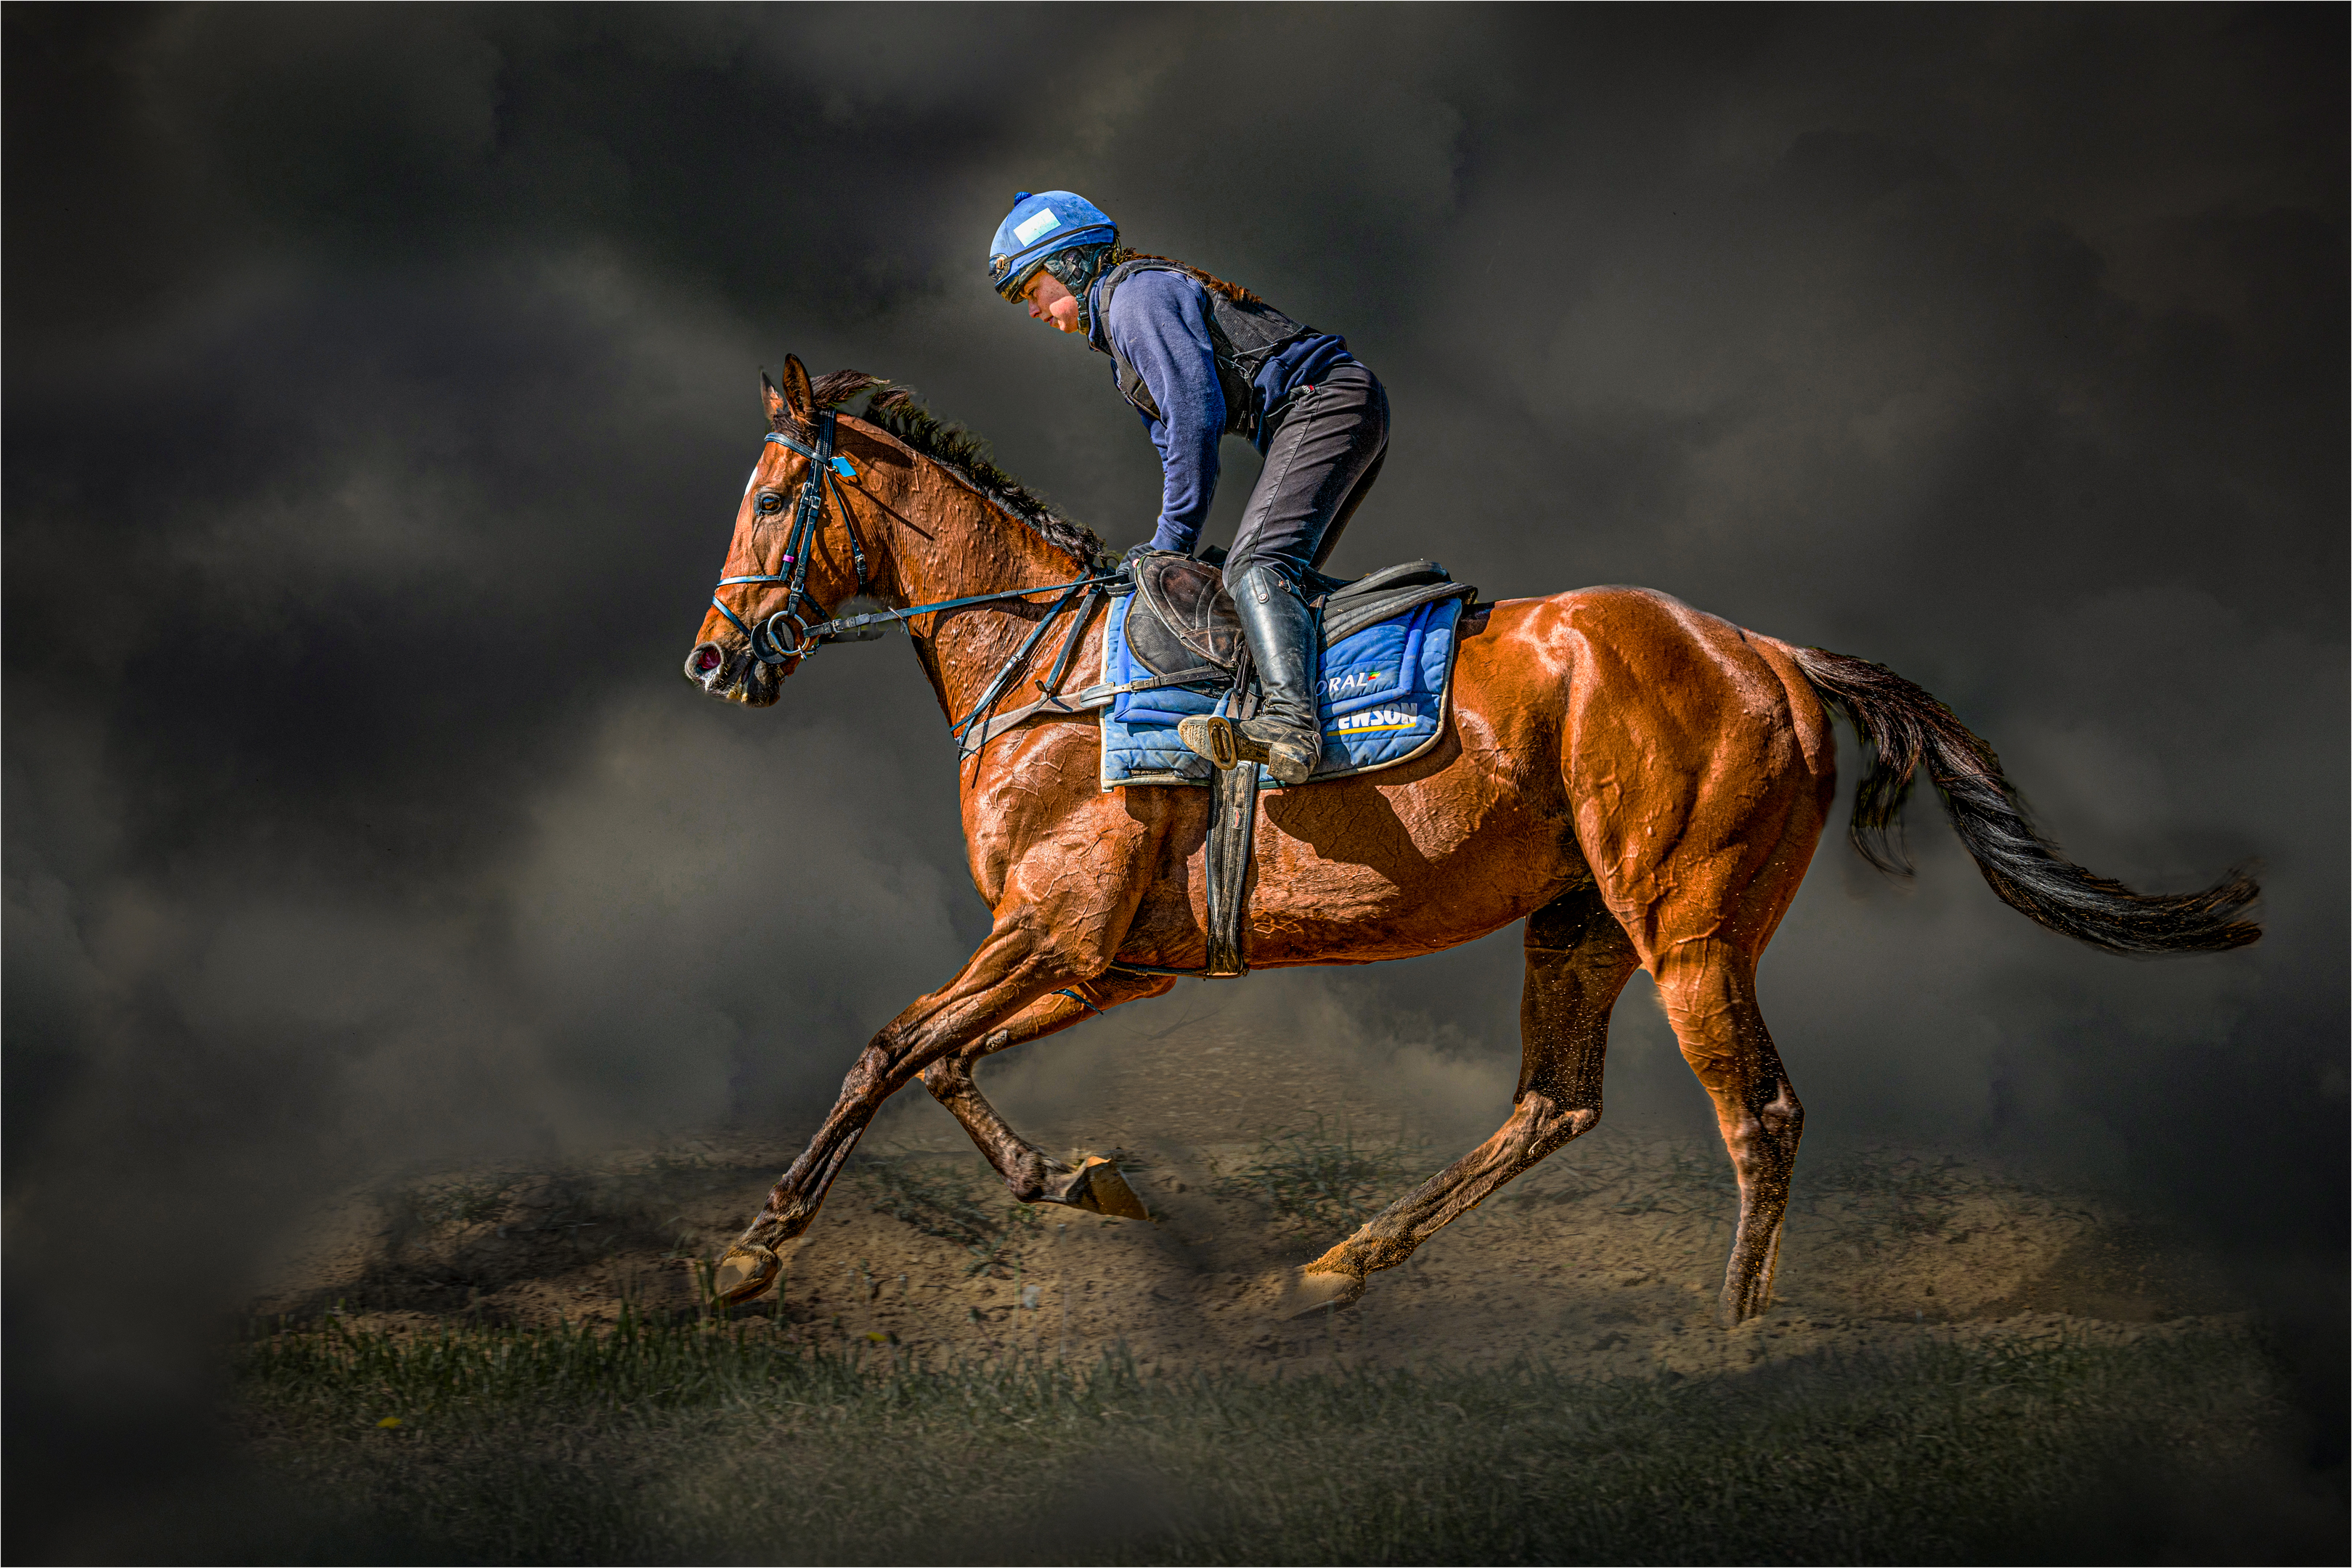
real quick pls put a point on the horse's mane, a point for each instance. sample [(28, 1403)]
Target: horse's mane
[(893, 408)]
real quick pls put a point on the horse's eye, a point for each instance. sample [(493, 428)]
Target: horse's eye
[(772, 503)]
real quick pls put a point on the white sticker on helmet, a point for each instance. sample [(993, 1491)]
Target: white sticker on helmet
[(1027, 230)]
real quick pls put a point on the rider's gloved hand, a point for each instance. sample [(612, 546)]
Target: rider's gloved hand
[(1138, 552)]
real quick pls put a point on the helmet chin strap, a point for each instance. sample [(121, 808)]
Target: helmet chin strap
[(1077, 270)]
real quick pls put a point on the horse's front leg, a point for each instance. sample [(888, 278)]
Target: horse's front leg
[(1010, 972), (1068, 890)]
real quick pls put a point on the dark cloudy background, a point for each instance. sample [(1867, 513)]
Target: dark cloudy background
[(381, 382)]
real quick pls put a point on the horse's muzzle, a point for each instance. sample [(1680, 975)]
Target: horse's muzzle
[(708, 665), (735, 677)]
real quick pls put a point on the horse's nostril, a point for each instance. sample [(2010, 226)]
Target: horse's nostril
[(708, 658)]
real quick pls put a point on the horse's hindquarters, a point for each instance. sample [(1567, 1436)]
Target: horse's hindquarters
[(1700, 765)]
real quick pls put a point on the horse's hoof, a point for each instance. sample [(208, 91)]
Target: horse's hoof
[(1210, 736), (745, 1273), (1304, 1294), (1098, 1189)]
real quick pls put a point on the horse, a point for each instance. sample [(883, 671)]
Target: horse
[(1641, 784)]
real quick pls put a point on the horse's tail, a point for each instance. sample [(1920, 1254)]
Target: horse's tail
[(1904, 725)]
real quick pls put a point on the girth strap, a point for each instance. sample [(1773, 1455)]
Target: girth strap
[(1004, 676)]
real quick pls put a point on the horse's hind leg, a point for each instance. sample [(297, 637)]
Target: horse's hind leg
[(1578, 959), (1094, 1184), (1709, 990)]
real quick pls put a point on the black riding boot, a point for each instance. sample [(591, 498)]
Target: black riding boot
[(1284, 736)]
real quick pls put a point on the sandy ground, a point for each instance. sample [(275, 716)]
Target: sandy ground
[(1606, 1258)]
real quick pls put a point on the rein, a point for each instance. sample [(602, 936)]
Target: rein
[(825, 470)]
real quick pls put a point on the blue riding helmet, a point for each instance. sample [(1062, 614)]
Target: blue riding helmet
[(1041, 226)]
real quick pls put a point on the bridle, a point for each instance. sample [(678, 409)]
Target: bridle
[(826, 471)]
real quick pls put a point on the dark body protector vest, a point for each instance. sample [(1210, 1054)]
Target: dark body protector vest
[(1242, 337)]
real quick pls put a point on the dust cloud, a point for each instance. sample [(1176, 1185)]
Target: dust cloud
[(381, 385)]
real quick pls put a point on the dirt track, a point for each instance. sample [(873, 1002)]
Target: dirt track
[(1606, 1257)]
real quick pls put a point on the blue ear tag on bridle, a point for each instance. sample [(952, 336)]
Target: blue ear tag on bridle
[(838, 464)]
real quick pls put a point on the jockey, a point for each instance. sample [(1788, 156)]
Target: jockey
[(1200, 359)]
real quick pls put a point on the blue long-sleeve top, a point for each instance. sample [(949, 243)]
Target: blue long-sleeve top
[(1161, 322)]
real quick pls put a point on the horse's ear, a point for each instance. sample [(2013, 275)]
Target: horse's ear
[(773, 404), (797, 391)]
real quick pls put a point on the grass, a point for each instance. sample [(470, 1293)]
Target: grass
[(723, 1443)]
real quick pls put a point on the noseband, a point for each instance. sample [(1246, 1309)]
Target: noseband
[(824, 469)]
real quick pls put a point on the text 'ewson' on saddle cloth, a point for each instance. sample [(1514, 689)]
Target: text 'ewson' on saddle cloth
[(1382, 698)]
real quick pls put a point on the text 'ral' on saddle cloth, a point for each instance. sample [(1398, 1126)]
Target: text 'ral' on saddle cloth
[(1382, 698)]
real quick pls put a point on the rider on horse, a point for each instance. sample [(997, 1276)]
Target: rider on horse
[(1201, 359)]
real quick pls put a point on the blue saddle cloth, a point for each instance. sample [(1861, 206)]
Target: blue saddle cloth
[(1381, 700)]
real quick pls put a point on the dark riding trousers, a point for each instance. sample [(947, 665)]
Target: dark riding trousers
[(1328, 441)]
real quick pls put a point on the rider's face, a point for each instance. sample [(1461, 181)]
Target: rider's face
[(1051, 303)]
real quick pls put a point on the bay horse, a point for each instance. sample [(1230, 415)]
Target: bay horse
[(1641, 784)]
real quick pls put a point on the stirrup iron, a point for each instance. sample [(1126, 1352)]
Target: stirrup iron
[(1211, 735)]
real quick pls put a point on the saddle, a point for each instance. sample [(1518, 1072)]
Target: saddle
[(1180, 625), (1190, 621)]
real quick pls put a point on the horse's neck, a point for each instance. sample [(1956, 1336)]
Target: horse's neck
[(972, 548)]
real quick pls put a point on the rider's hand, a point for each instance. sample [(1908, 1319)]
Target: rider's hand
[(1138, 552)]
